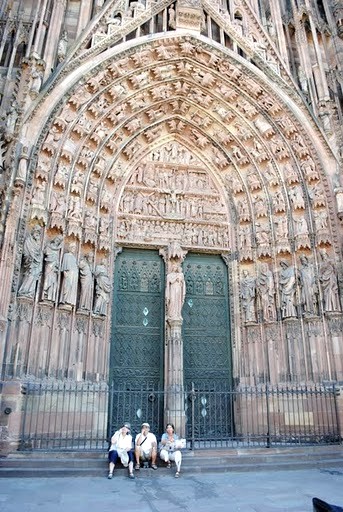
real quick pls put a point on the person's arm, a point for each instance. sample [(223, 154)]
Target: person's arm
[(139, 439), (164, 439), (128, 446)]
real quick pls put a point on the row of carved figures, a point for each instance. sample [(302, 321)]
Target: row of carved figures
[(68, 281), (258, 293)]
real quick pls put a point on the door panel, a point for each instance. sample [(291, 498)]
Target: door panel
[(136, 360), (206, 343)]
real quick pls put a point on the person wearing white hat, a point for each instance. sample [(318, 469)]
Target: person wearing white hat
[(121, 447), (145, 447)]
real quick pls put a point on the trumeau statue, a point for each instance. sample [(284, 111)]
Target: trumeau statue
[(32, 263), (70, 272), (52, 261), (175, 292)]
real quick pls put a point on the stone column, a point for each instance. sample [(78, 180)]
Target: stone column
[(276, 16), (174, 386), (7, 260), (322, 85), (85, 14), (54, 33), (173, 378)]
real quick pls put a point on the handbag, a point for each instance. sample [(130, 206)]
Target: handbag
[(180, 444)]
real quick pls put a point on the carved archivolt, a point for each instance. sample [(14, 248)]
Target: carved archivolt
[(175, 141)]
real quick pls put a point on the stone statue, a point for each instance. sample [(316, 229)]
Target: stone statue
[(86, 282), (70, 271), (52, 260), (308, 287), (329, 284), (11, 121), (22, 166), (172, 17), (287, 287), (248, 296), (32, 263), (175, 293), (37, 80), (62, 46), (265, 288), (102, 289)]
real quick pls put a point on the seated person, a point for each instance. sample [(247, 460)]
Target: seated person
[(169, 448), (146, 447), (121, 447)]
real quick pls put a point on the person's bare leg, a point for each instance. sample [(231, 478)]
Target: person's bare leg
[(110, 469)]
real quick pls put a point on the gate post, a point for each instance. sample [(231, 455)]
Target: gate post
[(11, 398)]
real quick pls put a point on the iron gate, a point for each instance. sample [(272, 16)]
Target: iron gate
[(71, 416)]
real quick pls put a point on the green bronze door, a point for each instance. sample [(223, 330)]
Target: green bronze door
[(206, 346), (136, 359)]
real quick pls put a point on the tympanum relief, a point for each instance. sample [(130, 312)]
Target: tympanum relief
[(171, 196)]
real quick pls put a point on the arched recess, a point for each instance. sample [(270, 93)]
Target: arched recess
[(270, 167)]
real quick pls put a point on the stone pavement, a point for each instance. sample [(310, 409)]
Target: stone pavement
[(159, 491)]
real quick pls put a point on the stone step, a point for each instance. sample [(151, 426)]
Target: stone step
[(47, 464)]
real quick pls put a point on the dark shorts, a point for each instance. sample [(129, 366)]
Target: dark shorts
[(113, 456)]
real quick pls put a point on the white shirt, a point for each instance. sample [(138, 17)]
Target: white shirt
[(118, 441), (147, 445)]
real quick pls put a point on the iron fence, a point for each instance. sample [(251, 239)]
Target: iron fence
[(82, 416)]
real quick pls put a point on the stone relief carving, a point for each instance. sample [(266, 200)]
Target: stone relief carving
[(245, 242), (309, 169), (168, 189), (38, 208), (317, 195), (290, 174), (301, 232), (296, 197), (322, 227), (32, 263), (58, 208), (278, 202), (260, 206), (262, 234), (270, 175), (281, 234)]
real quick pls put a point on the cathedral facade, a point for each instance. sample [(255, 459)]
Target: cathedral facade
[(171, 194)]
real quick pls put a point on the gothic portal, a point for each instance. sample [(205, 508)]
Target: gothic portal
[(171, 179)]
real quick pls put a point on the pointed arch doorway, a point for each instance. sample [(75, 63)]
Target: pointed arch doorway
[(138, 364)]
